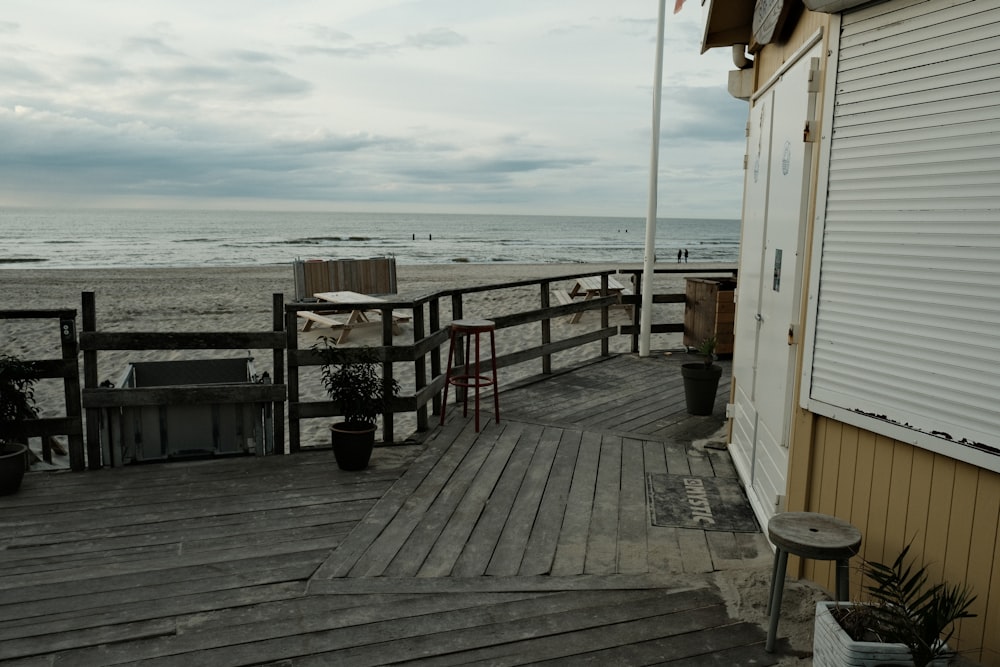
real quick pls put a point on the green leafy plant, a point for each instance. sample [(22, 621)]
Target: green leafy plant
[(17, 392), (905, 609), (707, 350), (351, 379)]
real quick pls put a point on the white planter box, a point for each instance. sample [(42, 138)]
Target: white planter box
[(833, 647)]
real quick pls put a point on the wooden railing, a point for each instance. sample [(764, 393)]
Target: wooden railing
[(425, 353), (430, 336), (96, 398), (65, 368)]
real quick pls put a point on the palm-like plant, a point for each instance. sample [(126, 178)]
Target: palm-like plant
[(707, 350), (906, 610)]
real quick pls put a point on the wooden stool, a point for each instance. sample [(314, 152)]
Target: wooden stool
[(808, 535), (474, 379)]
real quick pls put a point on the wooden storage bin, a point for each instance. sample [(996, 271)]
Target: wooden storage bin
[(710, 310), (366, 276)]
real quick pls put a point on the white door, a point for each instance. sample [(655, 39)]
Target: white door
[(770, 280)]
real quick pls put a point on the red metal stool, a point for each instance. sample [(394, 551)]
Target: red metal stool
[(474, 379)]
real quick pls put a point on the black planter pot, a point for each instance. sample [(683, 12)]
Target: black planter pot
[(701, 384), (352, 444), (13, 461)]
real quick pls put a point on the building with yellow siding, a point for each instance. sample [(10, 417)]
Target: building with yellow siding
[(866, 369)]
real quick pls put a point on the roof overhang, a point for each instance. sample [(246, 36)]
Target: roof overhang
[(832, 6), (727, 22)]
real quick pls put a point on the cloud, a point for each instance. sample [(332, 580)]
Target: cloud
[(347, 46), (17, 72), (151, 45), (705, 114), (437, 38), (526, 107)]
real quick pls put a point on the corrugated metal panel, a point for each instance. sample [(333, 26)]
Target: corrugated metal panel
[(908, 311)]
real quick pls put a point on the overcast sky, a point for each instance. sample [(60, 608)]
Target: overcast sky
[(510, 106)]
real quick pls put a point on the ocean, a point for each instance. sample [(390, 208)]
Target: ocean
[(68, 239)]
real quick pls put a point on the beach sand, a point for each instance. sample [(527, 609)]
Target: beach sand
[(239, 299)]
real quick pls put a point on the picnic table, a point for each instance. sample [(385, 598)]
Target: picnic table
[(589, 287), (335, 305)]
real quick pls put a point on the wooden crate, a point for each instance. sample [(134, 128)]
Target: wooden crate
[(376, 275), (710, 310)]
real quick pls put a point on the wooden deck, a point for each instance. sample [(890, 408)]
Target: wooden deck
[(528, 542)]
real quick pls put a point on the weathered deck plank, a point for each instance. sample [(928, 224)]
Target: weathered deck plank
[(475, 556), (444, 554), (510, 548), (529, 541), (602, 538), (540, 550), (632, 518), (571, 547)]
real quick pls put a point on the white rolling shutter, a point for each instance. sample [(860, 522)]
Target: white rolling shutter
[(907, 310)]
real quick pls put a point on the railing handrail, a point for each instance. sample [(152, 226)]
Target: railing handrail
[(429, 336)]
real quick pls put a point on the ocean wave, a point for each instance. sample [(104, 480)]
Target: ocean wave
[(207, 238)]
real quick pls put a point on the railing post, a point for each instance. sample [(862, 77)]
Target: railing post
[(435, 326), (420, 366), (456, 314), (291, 350), (90, 376), (636, 311), (546, 328), (278, 375), (387, 375), (71, 385), (605, 321)]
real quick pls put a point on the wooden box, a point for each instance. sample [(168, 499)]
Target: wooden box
[(710, 310), (366, 276)]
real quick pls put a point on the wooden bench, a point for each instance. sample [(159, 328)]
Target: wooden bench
[(345, 326), (319, 318), (562, 296), (627, 306)]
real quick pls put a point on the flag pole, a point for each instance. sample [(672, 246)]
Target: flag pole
[(649, 257)]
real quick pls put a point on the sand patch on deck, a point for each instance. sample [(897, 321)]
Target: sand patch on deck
[(745, 592)]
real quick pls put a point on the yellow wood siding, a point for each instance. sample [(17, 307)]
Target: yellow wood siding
[(893, 492), (897, 493), (770, 59)]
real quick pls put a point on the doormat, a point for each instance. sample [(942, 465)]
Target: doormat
[(705, 503)]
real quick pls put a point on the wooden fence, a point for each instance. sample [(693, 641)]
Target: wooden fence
[(367, 276), (66, 368), (96, 398), (430, 338), (426, 354)]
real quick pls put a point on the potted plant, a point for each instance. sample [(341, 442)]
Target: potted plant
[(905, 622), (17, 404), (701, 380), (351, 379)]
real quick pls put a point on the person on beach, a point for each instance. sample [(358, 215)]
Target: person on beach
[(685, 254), (679, 253)]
